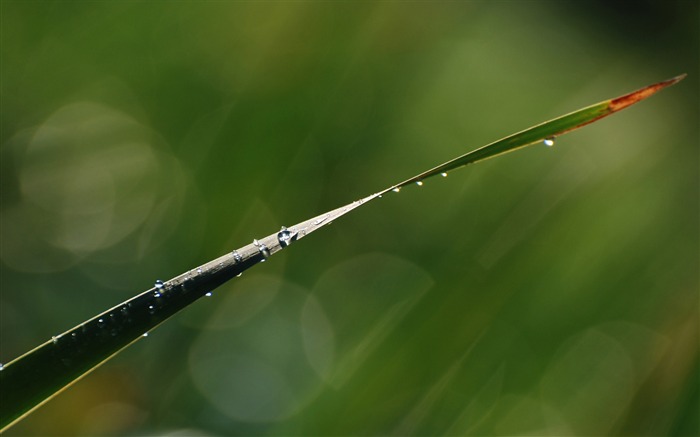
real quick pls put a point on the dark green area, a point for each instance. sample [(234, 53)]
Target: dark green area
[(553, 291)]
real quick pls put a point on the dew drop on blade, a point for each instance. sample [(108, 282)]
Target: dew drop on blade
[(263, 249), (443, 174), (549, 142), (396, 190), (159, 284), (419, 183), (145, 334), (54, 339), (208, 294), (156, 293), (151, 309), (284, 236), (2, 366), (237, 256)]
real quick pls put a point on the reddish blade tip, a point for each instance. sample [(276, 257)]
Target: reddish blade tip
[(641, 94)]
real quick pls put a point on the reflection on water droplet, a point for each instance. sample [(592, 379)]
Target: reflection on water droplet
[(549, 142), (208, 294), (54, 339), (151, 309), (199, 271), (419, 183), (237, 256), (2, 366), (125, 310), (156, 293), (159, 284), (443, 174), (145, 334), (284, 236), (100, 323), (239, 275), (396, 190)]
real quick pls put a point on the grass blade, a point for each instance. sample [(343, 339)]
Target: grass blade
[(35, 377), (548, 130)]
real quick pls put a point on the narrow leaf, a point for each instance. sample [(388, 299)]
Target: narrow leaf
[(35, 377)]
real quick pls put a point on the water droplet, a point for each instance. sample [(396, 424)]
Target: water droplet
[(100, 323), (396, 190), (239, 275), (262, 248), (549, 142), (156, 294), (443, 174), (2, 366), (237, 256), (125, 311), (199, 271), (419, 183), (208, 294), (284, 236), (54, 339), (74, 335), (151, 309), (159, 284), (145, 334)]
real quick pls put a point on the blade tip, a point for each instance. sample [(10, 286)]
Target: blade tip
[(641, 94)]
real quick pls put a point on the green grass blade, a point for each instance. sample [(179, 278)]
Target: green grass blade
[(35, 377), (545, 131)]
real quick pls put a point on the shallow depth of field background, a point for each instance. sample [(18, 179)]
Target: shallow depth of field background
[(553, 291)]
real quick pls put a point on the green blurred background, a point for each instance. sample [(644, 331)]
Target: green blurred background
[(553, 291)]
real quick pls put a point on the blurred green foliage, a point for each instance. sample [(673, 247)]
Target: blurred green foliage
[(552, 292)]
